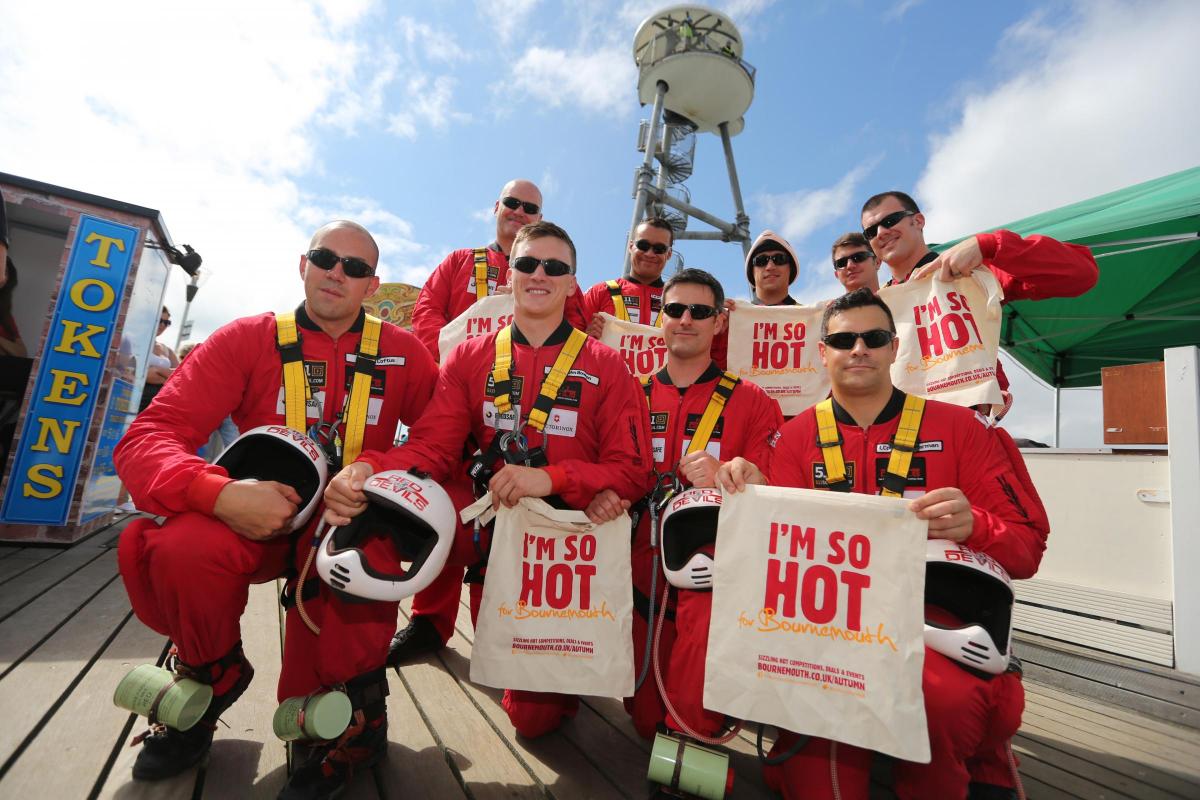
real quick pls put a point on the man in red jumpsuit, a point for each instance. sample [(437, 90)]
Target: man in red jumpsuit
[(594, 436), (969, 482), (189, 578), (1034, 268), (448, 292), (642, 290), (748, 426)]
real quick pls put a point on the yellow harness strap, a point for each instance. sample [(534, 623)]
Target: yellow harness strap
[(360, 389), (502, 377), (296, 391), (903, 445), (481, 270), (712, 412), (619, 310)]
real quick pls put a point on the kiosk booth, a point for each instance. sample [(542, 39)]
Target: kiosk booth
[(91, 277)]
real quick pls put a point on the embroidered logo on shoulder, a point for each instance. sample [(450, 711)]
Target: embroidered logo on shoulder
[(773, 439)]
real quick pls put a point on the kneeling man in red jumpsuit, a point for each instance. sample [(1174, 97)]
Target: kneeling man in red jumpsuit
[(189, 578), (970, 483)]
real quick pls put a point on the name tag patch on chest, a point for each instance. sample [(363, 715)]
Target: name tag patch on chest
[(934, 446)]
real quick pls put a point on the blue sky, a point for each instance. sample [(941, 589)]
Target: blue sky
[(248, 125)]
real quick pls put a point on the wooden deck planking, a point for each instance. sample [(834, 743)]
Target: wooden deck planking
[(23, 588), (23, 560), (417, 765)]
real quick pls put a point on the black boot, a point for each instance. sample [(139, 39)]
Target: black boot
[(419, 637), (167, 751), (330, 766)]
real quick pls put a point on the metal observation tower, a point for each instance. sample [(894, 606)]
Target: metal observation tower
[(691, 73)]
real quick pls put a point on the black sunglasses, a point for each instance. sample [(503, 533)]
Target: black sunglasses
[(889, 222), (658, 247), (779, 259), (551, 266), (839, 264), (699, 310), (845, 340), (164, 322), (512, 204), (327, 260)]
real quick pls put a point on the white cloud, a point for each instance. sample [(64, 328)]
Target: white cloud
[(1104, 101), (901, 8), (211, 117), (427, 101), (795, 215), (601, 81), (506, 18)]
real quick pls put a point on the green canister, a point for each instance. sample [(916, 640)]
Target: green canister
[(163, 696), (703, 772), (322, 716)]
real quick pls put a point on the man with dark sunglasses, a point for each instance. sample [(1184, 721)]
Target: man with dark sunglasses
[(585, 435), (471, 274), (636, 297), (1031, 268), (463, 277), (747, 425), (968, 480), (771, 268), (189, 578), (854, 263)]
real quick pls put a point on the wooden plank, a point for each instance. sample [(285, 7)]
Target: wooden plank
[(1032, 748), (246, 759), (1121, 723), (21, 589), (1146, 611), (7, 550), (71, 751), (1157, 648), (489, 769), (25, 559), (1117, 756), (417, 764), (30, 690), (21, 631)]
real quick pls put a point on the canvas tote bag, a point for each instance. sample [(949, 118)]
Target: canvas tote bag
[(483, 317), (818, 617), (641, 346), (776, 347), (949, 336), (557, 608)]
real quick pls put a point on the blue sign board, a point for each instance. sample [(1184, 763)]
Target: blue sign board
[(42, 481)]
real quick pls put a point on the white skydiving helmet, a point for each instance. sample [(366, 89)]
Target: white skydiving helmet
[(688, 525), (977, 590), (418, 517), (278, 453)]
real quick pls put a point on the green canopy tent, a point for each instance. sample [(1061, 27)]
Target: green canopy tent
[(1146, 239)]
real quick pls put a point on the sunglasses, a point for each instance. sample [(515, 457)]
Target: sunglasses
[(839, 264), (889, 222), (327, 260), (778, 259), (658, 247), (166, 323), (845, 340), (698, 310), (512, 204), (551, 266)]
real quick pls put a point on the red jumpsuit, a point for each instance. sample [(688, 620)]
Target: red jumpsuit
[(189, 579), (643, 301), (448, 292), (968, 716), (748, 427), (1035, 268), (596, 439)]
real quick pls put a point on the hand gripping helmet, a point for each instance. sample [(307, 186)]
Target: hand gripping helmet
[(278, 453), (977, 590), (688, 525), (418, 517)]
